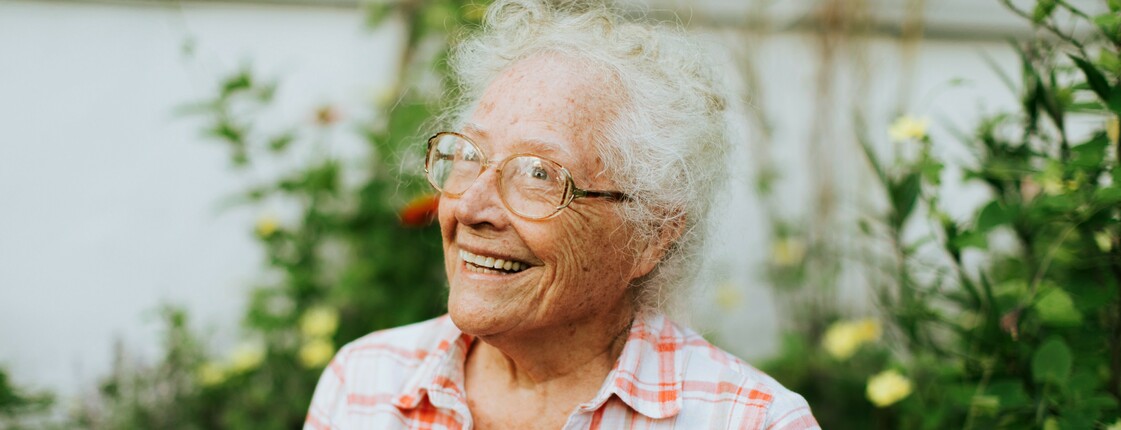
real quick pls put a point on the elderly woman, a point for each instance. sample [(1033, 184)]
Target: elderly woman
[(574, 191)]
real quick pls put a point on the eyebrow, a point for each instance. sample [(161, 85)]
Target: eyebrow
[(472, 128)]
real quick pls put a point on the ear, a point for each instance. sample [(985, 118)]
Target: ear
[(652, 253)]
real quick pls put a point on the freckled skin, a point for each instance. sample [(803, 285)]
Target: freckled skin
[(550, 334), (580, 268)]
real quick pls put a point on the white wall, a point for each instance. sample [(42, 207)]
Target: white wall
[(108, 202)]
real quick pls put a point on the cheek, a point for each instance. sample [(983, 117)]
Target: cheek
[(591, 252), (445, 215)]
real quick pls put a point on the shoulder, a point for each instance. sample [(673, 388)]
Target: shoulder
[(373, 375), (405, 345), (711, 375)]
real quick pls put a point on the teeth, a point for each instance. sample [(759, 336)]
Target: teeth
[(491, 262)]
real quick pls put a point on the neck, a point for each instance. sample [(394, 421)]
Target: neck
[(575, 355)]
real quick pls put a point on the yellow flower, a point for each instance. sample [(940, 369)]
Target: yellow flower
[(210, 374), (319, 321), (908, 127), (888, 387), (247, 356), (1115, 426), (728, 297), (267, 225), (788, 251), (868, 329), (1105, 243), (1113, 129), (842, 339), (316, 353)]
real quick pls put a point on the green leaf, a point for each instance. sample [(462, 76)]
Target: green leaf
[(1108, 195), (1089, 155), (969, 239), (1114, 5), (376, 13), (1109, 60), (1003, 169), (1043, 10), (1061, 203), (241, 81), (1010, 392), (1051, 363), (986, 405), (931, 171), (228, 131), (1079, 417), (1093, 77), (1056, 308), (904, 195), (1108, 23), (281, 142), (1114, 100), (993, 215)]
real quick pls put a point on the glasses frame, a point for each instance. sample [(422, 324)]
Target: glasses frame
[(571, 191)]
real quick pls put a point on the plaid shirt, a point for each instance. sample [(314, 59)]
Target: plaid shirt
[(667, 377)]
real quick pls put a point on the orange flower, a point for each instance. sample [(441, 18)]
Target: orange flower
[(421, 211)]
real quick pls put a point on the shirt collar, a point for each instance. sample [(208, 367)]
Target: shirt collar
[(440, 374), (646, 377)]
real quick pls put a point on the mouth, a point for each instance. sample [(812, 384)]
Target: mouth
[(490, 265)]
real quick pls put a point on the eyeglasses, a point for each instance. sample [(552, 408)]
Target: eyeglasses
[(530, 186)]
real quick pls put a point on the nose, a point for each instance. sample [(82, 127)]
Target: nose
[(480, 204)]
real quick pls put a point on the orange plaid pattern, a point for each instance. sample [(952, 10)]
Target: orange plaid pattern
[(667, 377)]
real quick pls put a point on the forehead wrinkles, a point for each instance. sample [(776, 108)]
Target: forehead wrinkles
[(570, 98)]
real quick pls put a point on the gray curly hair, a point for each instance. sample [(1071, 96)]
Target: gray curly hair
[(665, 147)]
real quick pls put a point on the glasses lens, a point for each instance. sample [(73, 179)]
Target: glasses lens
[(533, 187), (453, 163)]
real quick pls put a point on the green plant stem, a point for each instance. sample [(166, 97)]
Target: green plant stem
[(986, 374), (1077, 12), (1048, 26), (1041, 406), (1045, 264), (1114, 387), (906, 296)]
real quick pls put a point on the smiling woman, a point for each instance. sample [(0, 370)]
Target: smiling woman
[(573, 196)]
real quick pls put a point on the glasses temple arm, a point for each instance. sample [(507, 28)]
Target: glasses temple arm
[(610, 195)]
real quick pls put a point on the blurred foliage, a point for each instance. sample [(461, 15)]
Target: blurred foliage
[(20, 408), (350, 247), (977, 334)]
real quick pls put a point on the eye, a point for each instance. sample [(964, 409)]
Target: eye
[(539, 173)]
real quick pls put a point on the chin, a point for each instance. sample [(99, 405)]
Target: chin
[(477, 316)]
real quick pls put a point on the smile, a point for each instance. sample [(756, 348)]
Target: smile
[(490, 265)]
